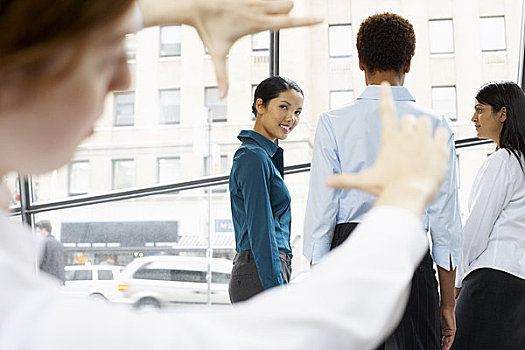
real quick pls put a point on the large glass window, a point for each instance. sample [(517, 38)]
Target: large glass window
[(79, 177), (492, 33), (320, 59), (217, 107), (441, 36), (170, 41), (444, 101), (169, 106), (340, 40), (123, 173), (124, 109)]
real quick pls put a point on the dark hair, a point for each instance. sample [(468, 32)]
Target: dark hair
[(507, 94), (44, 225), (386, 42), (34, 33), (271, 87)]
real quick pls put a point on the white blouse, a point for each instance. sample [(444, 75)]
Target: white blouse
[(494, 232)]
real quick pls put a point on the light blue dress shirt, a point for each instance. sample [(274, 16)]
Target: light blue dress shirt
[(260, 204), (347, 140)]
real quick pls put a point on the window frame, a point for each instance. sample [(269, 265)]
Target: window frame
[(351, 54), (451, 20)]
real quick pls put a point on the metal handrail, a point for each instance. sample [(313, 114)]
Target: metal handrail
[(208, 181)]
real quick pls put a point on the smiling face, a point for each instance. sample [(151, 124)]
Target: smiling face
[(280, 116), (41, 132), (487, 122)]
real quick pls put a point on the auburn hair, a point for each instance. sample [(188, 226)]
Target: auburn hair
[(34, 32)]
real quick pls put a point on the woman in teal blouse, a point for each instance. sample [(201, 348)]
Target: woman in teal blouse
[(260, 201)]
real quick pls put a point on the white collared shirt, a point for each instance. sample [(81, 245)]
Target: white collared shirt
[(494, 232), (352, 300), (347, 140)]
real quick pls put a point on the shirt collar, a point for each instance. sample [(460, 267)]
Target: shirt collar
[(399, 93), (270, 147)]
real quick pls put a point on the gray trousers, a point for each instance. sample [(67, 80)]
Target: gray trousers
[(245, 282)]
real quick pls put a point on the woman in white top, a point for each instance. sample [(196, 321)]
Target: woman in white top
[(490, 310)]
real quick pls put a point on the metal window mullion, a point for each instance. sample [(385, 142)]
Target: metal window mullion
[(274, 53), (521, 67), (25, 199)]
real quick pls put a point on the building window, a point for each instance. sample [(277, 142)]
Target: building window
[(131, 46), (169, 101), (123, 173), (168, 170), (340, 97), (79, 177), (340, 40), (217, 106), (441, 36), (261, 41), (219, 166), (124, 109), (170, 41), (492, 31), (444, 101)]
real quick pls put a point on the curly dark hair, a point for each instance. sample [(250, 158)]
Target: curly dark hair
[(386, 42)]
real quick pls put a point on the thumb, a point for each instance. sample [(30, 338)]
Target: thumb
[(221, 70)]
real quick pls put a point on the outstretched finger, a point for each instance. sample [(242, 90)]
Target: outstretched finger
[(221, 70), (386, 109), (360, 181), (276, 22), (277, 6)]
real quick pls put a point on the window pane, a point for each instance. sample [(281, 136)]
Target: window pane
[(339, 98), (79, 275), (147, 139), (492, 33), (169, 170), (9, 190), (123, 173), (441, 36), (444, 101), (188, 276), (261, 41), (153, 274), (105, 275), (124, 109), (117, 233), (170, 41), (131, 46), (340, 40), (79, 177), (217, 106), (169, 106)]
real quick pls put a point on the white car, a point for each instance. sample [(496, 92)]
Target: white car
[(97, 281), (158, 281)]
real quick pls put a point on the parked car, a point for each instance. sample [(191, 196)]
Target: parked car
[(158, 281), (97, 281)]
